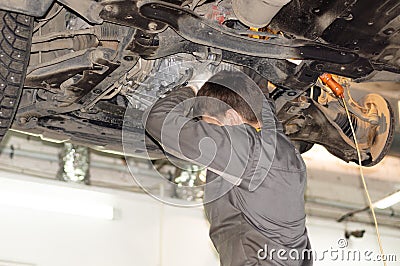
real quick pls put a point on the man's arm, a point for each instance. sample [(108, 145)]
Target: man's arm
[(223, 150)]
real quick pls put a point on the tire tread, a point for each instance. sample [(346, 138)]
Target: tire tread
[(15, 42)]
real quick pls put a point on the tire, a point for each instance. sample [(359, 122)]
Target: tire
[(15, 43)]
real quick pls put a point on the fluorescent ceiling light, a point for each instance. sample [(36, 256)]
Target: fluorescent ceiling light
[(14, 263), (398, 108), (388, 201), (57, 205)]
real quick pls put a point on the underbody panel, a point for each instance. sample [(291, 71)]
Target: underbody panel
[(92, 61)]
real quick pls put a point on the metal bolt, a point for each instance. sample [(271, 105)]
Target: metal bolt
[(303, 99), (128, 58), (319, 67), (152, 26), (388, 31), (348, 16), (108, 8), (316, 10)]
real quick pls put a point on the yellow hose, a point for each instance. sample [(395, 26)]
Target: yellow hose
[(365, 184)]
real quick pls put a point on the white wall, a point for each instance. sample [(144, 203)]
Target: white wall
[(325, 235), (144, 231)]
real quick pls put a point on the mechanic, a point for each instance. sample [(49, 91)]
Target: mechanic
[(254, 193)]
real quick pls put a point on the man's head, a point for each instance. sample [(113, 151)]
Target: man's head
[(229, 98)]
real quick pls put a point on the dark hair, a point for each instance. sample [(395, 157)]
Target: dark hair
[(237, 99)]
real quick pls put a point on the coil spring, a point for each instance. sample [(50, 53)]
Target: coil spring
[(342, 121)]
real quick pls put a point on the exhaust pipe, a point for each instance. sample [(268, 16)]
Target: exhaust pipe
[(257, 13)]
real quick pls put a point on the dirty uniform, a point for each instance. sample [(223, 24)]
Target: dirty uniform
[(254, 197)]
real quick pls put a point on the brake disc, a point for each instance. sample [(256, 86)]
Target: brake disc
[(384, 130)]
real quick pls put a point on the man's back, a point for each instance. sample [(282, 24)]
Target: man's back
[(274, 211), (255, 183)]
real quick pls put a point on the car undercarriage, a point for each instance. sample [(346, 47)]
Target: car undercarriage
[(96, 66)]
